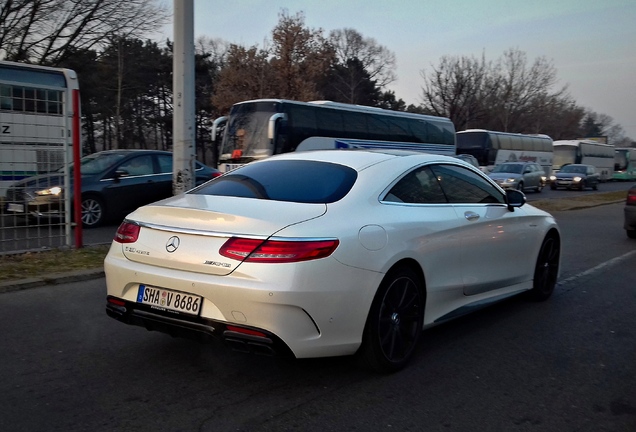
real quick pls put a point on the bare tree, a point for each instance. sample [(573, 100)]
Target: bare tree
[(509, 95), (47, 31), (521, 90), (377, 60), (457, 89)]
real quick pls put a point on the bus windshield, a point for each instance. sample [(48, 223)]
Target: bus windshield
[(246, 132), (620, 159)]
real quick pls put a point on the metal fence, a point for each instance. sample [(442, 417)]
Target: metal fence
[(36, 124)]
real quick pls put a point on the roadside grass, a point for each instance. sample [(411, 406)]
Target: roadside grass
[(42, 263), (578, 202)]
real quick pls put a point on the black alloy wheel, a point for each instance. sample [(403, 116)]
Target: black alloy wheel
[(547, 268), (394, 324)]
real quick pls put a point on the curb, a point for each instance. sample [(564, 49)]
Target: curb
[(51, 279)]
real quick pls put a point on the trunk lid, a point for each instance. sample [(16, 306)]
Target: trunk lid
[(186, 232)]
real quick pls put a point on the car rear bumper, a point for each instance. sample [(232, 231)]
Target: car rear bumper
[(255, 341), (307, 315)]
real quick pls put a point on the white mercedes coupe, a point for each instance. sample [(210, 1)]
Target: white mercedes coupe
[(328, 253)]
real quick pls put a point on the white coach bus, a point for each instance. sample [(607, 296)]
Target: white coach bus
[(492, 148), (36, 115), (588, 152)]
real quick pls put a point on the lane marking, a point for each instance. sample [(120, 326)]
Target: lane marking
[(597, 268)]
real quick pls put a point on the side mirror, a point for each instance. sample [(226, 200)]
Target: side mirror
[(515, 198), (120, 173)]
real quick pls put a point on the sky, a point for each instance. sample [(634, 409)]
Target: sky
[(591, 43)]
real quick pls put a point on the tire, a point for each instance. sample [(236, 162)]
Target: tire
[(546, 269), (93, 212), (553, 187), (520, 186), (394, 323), (631, 234), (595, 187)]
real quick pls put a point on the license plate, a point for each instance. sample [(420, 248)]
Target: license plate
[(169, 300), (15, 208)]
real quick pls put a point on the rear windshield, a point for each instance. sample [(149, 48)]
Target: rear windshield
[(289, 180)]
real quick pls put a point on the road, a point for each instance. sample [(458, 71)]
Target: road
[(568, 364)]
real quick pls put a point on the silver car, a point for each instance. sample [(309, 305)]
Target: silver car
[(519, 175)]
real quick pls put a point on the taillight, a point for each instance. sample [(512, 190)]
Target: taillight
[(277, 251), (631, 197), (127, 233)]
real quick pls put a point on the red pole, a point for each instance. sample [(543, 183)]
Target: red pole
[(77, 174)]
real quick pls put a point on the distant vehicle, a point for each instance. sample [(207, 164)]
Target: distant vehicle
[(261, 128), (625, 164), (630, 213), (269, 259), (575, 176), (588, 152), (468, 158), (114, 183), (36, 123), (492, 148), (519, 175)]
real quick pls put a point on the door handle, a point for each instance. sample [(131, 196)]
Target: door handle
[(471, 216)]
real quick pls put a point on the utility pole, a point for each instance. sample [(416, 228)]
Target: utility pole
[(183, 140)]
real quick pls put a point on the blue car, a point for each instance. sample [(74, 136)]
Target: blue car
[(575, 176), (114, 183)]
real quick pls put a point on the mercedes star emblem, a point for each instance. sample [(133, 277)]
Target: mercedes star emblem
[(173, 244)]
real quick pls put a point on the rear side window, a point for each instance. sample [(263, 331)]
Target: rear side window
[(461, 185), (289, 180)]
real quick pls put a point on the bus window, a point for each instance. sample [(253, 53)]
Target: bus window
[(329, 121), (356, 125), (420, 131), (505, 142)]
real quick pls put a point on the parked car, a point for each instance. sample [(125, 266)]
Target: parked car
[(330, 253), (575, 176), (630, 213), (113, 183), (519, 175)]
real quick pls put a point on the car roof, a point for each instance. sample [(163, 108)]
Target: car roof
[(129, 151), (360, 158)]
